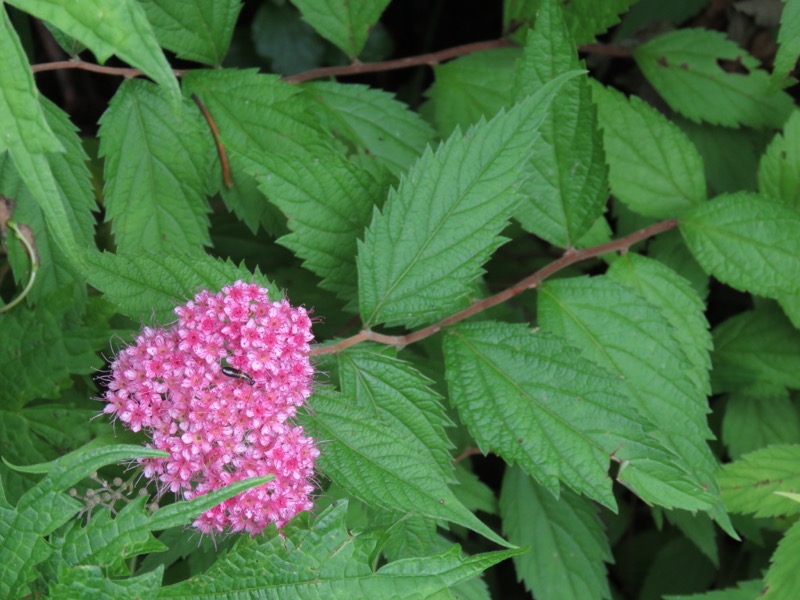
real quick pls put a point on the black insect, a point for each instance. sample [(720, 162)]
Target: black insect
[(237, 374)]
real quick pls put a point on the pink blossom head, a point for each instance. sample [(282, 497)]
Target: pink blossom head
[(218, 390)]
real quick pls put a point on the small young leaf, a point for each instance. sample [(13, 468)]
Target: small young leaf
[(199, 30), (373, 120), (788, 42), (567, 188), (472, 86), (781, 578), (110, 27), (653, 167), (157, 171), (568, 544), (328, 561), (747, 242), (328, 201), (749, 484), (758, 346), (779, 170), (685, 68), (344, 23), (421, 255), (149, 286), (756, 418), (381, 465)]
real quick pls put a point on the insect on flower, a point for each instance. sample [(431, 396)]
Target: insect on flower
[(237, 374)]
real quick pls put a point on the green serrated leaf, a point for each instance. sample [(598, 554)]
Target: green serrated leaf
[(328, 202), (422, 254), (699, 529), (747, 242), (472, 86), (400, 398), (755, 418), (759, 346), (382, 466), (631, 337), (40, 349), (374, 121), (779, 169), (110, 27), (199, 30), (561, 416), (744, 590), (684, 67), (679, 303), (344, 23), (653, 166), (157, 167), (21, 549), (86, 581), (568, 544), (328, 561), (749, 483), (567, 188), (586, 19), (670, 250), (781, 578), (148, 286), (788, 42)]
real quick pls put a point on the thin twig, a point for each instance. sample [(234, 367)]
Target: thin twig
[(77, 63), (223, 156), (569, 258)]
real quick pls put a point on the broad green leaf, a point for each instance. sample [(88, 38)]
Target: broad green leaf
[(781, 578), (684, 67), (75, 195), (344, 23), (699, 529), (383, 466), (788, 42), (422, 254), (568, 544), (21, 548), (779, 170), (328, 561), (653, 167), (758, 346), (534, 401), (670, 250), (472, 86), (109, 27), (744, 590), (198, 30), (632, 338), (86, 581), (400, 397), (157, 171), (749, 483), (567, 187), (40, 349), (586, 19), (747, 242), (373, 121), (474, 493), (148, 286), (328, 202), (759, 417), (679, 303)]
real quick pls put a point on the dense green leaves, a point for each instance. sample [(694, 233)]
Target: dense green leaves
[(788, 41), (447, 211), (566, 189), (781, 578), (652, 166), (748, 242), (157, 171), (198, 30), (684, 66), (326, 560), (110, 27), (345, 23), (779, 169), (567, 543), (758, 417)]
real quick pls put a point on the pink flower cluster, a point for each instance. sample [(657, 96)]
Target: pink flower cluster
[(220, 428)]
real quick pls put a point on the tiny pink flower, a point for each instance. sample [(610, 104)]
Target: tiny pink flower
[(218, 428)]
